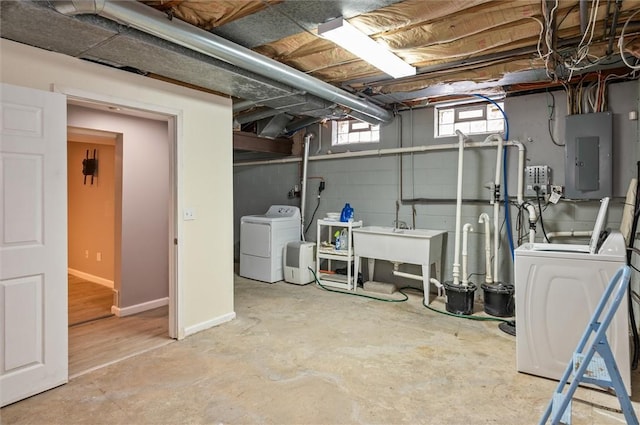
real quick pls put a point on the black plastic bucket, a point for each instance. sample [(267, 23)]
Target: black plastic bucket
[(498, 299), (459, 298)]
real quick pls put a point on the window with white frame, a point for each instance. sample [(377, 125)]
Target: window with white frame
[(353, 131), (469, 118)]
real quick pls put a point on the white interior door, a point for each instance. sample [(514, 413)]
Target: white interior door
[(33, 242)]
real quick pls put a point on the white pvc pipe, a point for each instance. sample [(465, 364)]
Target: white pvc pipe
[(496, 182), (484, 218), (496, 238), (398, 151), (495, 200), (433, 280), (570, 234), (319, 139), (407, 275), (533, 217), (303, 195), (456, 249), (520, 170), (383, 152), (465, 239)]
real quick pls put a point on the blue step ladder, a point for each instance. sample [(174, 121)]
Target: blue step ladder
[(593, 362)]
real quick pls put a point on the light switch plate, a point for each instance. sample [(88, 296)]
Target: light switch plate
[(189, 214)]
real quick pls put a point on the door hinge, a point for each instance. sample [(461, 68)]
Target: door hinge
[(175, 241)]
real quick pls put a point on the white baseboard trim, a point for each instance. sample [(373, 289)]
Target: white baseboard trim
[(95, 279), (190, 330), (139, 308)]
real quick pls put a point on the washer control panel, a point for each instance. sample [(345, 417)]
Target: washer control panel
[(282, 211)]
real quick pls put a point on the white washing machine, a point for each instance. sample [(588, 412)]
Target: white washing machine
[(557, 288), (262, 241)]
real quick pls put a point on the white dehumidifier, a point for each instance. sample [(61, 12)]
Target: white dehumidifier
[(299, 262)]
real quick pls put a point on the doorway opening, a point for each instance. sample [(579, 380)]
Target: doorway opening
[(91, 194), (125, 306)]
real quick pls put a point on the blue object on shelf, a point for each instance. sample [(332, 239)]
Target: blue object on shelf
[(347, 213)]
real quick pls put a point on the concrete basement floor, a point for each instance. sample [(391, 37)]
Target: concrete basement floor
[(300, 355)]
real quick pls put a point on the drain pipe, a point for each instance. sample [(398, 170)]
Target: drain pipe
[(484, 218), (319, 139), (533, 217), (146, 19), (465, 239), (303, 194), (456, 249), (439, 286), (397, 151), (495, 200)]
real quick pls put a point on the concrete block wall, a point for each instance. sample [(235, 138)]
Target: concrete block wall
[(372, 184)]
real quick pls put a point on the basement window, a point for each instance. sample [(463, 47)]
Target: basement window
[(345, 132), (469, 118)]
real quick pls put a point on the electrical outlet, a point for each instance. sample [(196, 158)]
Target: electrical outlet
[(556, 194), (86, 253), (557, 189), (537, 177), (294, 193), (98, 256)]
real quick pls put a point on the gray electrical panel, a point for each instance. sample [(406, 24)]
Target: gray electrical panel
[(588, 156)]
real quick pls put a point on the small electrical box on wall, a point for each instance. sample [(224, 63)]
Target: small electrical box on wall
[(588, 156), (537, 180)]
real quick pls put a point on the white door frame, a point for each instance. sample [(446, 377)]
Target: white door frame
[(175, 122)]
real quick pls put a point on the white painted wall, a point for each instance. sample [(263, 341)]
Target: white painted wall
[(205, 179)]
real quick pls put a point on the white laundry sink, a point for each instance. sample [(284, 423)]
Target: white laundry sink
[(412, 246), (399, 245)]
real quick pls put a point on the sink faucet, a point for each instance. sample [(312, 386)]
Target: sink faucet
[(399, 224)]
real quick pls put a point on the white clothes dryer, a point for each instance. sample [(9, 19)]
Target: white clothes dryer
[(262, 241), (557, 288)]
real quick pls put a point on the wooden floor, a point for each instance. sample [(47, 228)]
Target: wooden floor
[(88, 300), (103, 342), (97, 338)]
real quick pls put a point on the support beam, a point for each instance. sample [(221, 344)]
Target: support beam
[(250, 142)]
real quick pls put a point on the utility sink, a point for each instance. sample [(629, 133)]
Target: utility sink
[(412, 246), (399, 245)]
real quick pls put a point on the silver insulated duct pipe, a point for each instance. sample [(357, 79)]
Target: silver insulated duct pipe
[(146, 19)]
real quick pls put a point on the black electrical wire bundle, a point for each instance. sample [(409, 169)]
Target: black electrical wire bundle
[(320, 189), (312, 216), (544, 232)]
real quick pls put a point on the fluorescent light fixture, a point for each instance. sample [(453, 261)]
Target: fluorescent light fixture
[(347, 36)]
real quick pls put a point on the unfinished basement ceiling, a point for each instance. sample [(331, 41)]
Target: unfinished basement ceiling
[(458, 47)]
